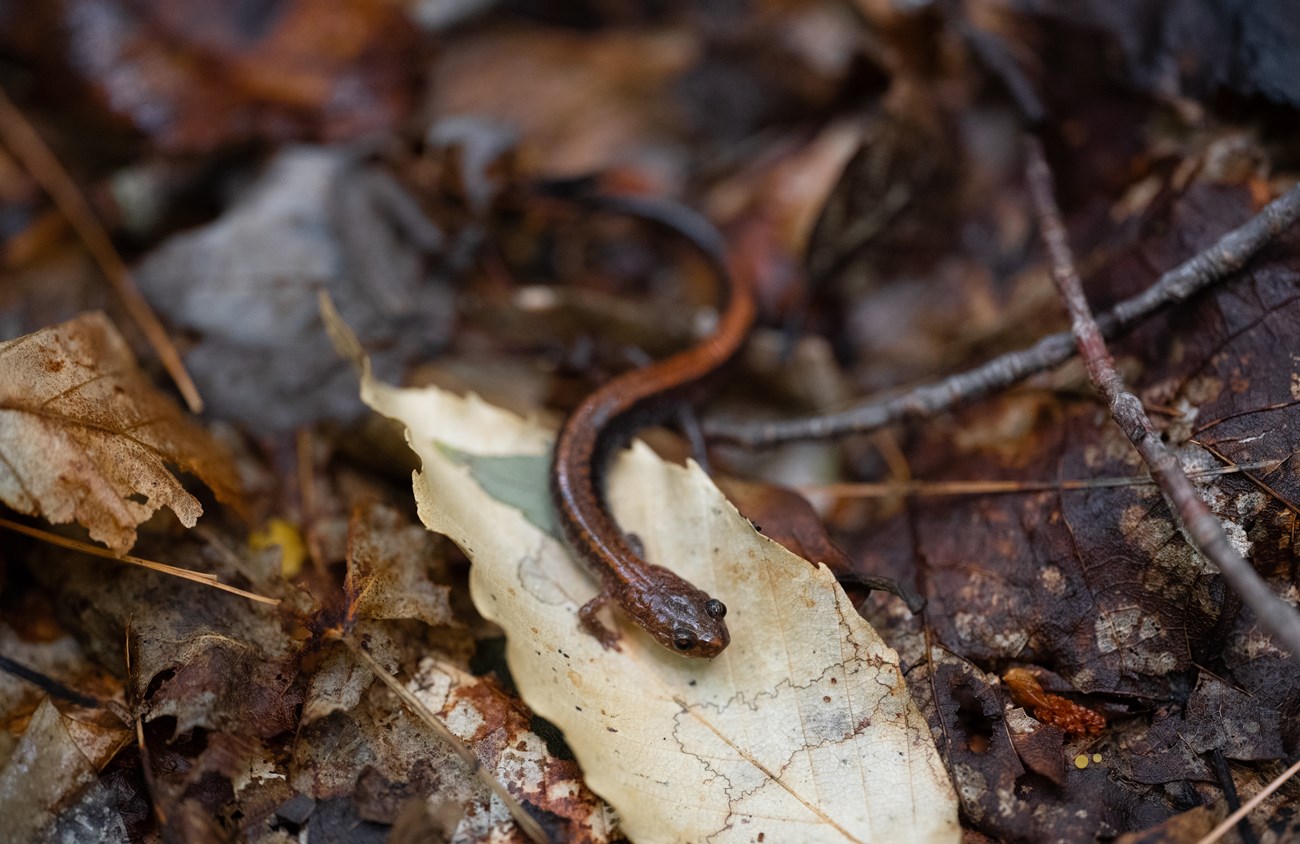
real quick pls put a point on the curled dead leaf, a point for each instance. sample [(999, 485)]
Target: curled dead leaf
[(85, 437)]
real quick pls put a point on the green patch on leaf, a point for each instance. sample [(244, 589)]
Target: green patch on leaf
[(518, 480)]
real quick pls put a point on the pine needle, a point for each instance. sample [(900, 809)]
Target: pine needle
[(199, 577)]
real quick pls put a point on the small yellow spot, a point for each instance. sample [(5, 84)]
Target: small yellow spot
[(1081, 761), (1096, 757), (292, 549)]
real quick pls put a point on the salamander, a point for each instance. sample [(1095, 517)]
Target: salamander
[(673, 611)]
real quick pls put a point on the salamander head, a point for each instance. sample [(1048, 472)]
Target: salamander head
[(706, 637), (683, 619)]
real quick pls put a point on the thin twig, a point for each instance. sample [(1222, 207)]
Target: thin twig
[(199, 577), (47, 684), (43, 166), (304, 450), (1229, 254), (1199, 524), (921, 489), (527, 823), (1220, 766), (1249, 806)]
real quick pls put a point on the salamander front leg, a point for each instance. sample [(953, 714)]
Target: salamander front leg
[(589, 616)]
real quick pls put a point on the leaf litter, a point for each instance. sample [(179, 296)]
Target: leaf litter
[(265, 724)]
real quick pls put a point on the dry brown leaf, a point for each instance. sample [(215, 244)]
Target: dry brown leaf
[(85, 437), (56, 758), (388, 570), (802, 729)]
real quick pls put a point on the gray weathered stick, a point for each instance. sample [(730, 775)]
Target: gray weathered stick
[(1219, 261), (1199, 524)]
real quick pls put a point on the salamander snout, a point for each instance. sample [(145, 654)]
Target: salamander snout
[(702, 633)]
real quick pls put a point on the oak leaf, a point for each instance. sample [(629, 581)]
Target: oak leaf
[(85, 437)]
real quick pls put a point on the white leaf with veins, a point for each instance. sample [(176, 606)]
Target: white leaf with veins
[(802, 730)]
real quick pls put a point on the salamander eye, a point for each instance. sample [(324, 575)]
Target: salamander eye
[(714, 608), (683, 639)]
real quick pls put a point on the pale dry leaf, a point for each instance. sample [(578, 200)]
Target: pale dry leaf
[(85, 437), (802, 729)]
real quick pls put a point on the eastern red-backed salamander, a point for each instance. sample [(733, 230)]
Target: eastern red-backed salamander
[(678, 615)]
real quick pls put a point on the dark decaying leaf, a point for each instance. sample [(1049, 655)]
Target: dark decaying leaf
[(863, 161), (1041, 747), (997, 791), (223, 687), (1192, 825), (787, 517), (1098, 585), (1217, 717), (379, 759), (225, 665), (1183, 47)]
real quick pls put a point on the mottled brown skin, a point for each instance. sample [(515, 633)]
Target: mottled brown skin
[(679, 616)]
